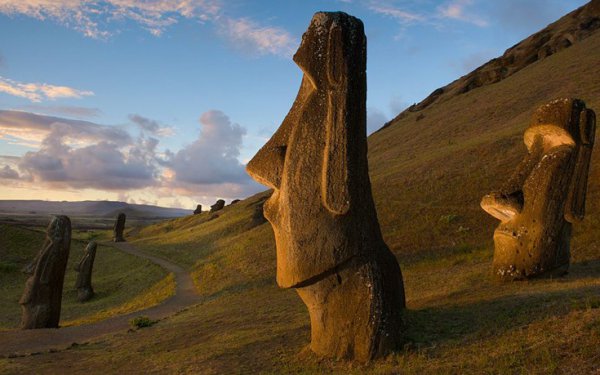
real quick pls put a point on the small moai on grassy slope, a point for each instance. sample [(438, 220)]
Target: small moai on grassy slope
[(545, 195), (42, 297), (119, 227), (218, 206), (84, 276), (198, 210), (329, 244)]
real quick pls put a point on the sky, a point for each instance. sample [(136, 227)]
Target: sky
[(164, 101)]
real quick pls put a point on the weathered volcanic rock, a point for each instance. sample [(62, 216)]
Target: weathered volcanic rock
[(119, 227), (198, 210), (84, 276), (567, 31), (546, 193), (41, 300), (234, 202), (218, 206), (329, 244)]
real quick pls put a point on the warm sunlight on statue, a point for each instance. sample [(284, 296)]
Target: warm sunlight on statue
[(329, 244), (545, 194)]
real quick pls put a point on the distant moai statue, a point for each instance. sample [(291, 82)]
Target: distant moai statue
[(329, 244), (218, 206), (545, 194), (198, 210), (119, 227), (234, 202), (41, 300), (84, 276), (258, 216)]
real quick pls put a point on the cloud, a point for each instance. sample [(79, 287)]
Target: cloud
[(456, 10), (8, 173), (27, 126), (212, 158), (74, 111), (250, 36), (87, 16), (101, 166), (151, 126), (76, 154), (399, 14), (36, 92), (92, 18)]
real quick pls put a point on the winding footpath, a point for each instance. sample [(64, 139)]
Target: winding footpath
[(23, 342)]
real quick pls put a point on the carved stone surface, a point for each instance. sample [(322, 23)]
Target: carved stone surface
[(198, 210), (119, 227), (329, 244), (218, 206), (545, 195), (84, 278), (41, 300)]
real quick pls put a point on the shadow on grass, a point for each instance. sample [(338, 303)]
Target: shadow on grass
[(431, 326)]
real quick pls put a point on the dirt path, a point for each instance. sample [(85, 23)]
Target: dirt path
[(22, 342)]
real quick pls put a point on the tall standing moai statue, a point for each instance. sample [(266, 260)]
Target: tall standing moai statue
[(329, 244), (546, 193), (198, 210), (119, 227), (84, 276), (41, 300)]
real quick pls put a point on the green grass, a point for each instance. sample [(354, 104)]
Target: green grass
[(118, 279)]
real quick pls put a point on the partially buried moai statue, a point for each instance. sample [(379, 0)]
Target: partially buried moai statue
[(41, 300), (198, 210), (119, 227), (545, 194), (218, 206), (84, 276), (329, 244)]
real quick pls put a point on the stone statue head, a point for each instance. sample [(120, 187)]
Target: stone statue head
[(321, 209), (545, 194)]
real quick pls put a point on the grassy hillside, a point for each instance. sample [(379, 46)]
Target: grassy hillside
[(429, 170), (122, 282)]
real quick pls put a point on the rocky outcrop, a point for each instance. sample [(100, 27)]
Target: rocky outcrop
[(545, 195), (567, 31), (329, 244)]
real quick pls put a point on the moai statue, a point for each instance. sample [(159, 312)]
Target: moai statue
[(545, 195), (119, 227), (41, 300), (329, 244), (84, 277), (198, 210), (218, 206)]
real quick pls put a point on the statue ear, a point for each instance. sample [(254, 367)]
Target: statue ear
[(575, 208), (334, 181)]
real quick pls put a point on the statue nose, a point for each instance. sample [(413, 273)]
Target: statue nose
[(266, 166)]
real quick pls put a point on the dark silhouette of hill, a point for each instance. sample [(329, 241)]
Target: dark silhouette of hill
[(89, 208)]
